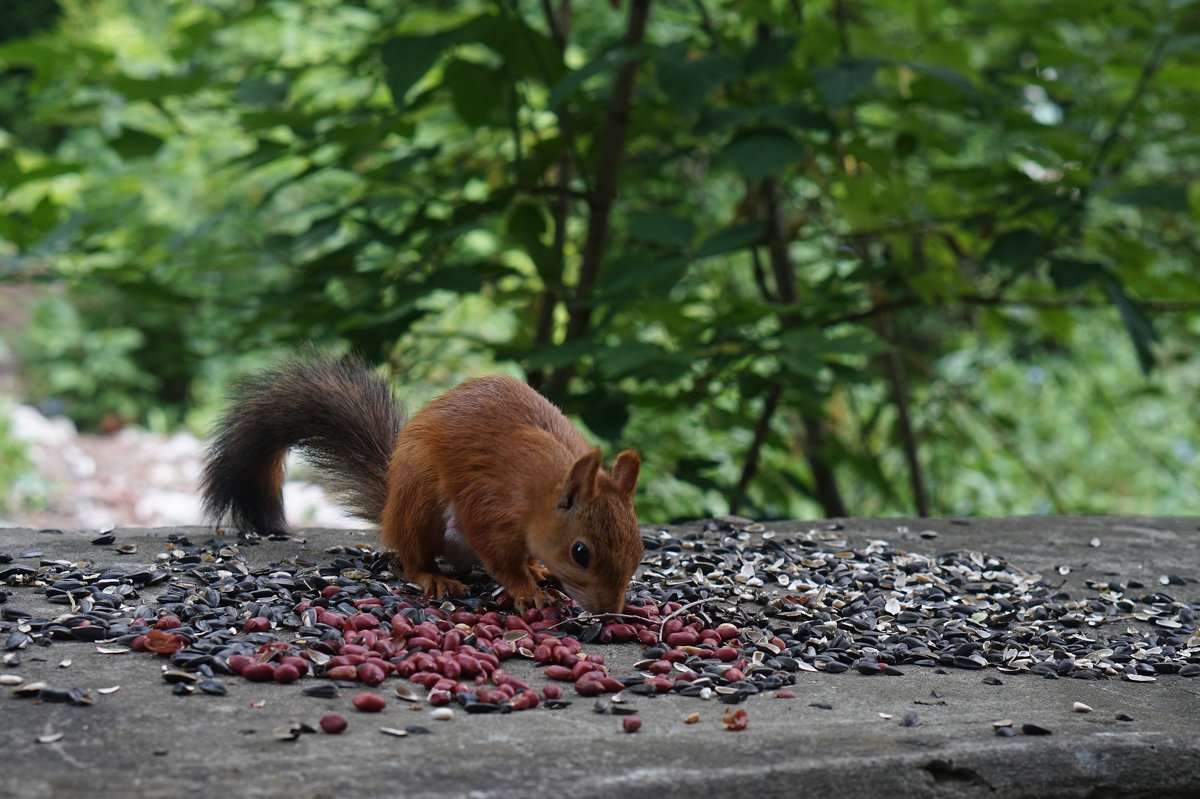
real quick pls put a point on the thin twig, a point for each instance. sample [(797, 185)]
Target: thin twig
[(611, 152), (706, 25), (900, 399), (1152, 65), (560, 28), (825, 485), (683, 609), (841, 15), (761, 428), (1157, 305)]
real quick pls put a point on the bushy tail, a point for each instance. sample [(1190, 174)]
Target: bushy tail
[(340, 415)]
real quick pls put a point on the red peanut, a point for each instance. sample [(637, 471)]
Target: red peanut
[(332, 723), (259, 672), (369, 703), (286, 673)]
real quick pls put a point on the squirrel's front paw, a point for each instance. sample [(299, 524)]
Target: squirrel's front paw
[(539, 572), (525, 600), (439, 585)]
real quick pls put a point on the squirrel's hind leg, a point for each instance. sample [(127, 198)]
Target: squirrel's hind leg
[(414, 526)]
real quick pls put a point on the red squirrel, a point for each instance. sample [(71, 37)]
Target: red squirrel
[(489, 472)]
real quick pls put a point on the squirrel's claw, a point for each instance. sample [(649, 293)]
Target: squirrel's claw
[(439, 585), (539, 572), (536, 598)]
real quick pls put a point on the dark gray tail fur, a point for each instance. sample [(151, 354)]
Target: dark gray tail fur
[(340, 415)]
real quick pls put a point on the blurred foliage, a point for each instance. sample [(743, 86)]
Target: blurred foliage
[(14, 461), (827, 257)]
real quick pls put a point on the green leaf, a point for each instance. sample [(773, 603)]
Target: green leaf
[(691, 470), (1187, 43), (39, 53), (687, 81), (261, 92), (806, 351), (1069, 273), (1015, 249), (558, 356), (61, 237), (768, 54), (302, 123), (842, 83), (906, 144), (165, 86), (617, 361), (647, 272), (459, 279), (11, 173), (801, 364), (135, 144), (604, 413), (716, 120), (759, 153), (50, 169), (852, 341), (476, 93), (264, 152), (948, 76), (526, 51), (390, 171), (526, 223), (1139, 327), (800, 116), (406, 59), (662, 228), (1163, 197), (610, 60), (733, 238)]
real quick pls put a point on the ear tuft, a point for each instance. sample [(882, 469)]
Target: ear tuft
[(580, 485), (625, 472)]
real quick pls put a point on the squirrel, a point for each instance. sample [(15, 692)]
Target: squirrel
[(490, 472)]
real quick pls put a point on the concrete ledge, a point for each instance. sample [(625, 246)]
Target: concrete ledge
[(144, 741)]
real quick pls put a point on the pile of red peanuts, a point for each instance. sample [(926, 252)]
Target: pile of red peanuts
[(461, 651)]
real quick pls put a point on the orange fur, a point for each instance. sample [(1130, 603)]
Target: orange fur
[(491, 458), (502, 456)]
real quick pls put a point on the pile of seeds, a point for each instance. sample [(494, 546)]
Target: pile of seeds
[(723, 614)]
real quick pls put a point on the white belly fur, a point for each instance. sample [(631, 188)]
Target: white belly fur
[(455, 549)]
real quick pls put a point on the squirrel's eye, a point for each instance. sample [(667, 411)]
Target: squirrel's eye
[(580, 554)]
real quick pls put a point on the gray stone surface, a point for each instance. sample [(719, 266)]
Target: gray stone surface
[(144, 741)]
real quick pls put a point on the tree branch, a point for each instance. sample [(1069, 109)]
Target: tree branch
[(706, 25), (824, 479), (841, 15), (608, 168), (899, 390), (1152, 65), (761, 428), (984, 300), (760, 276), (560, 27)]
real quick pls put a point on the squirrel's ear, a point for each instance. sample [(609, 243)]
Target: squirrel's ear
[(625, 472), (580, 485)]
